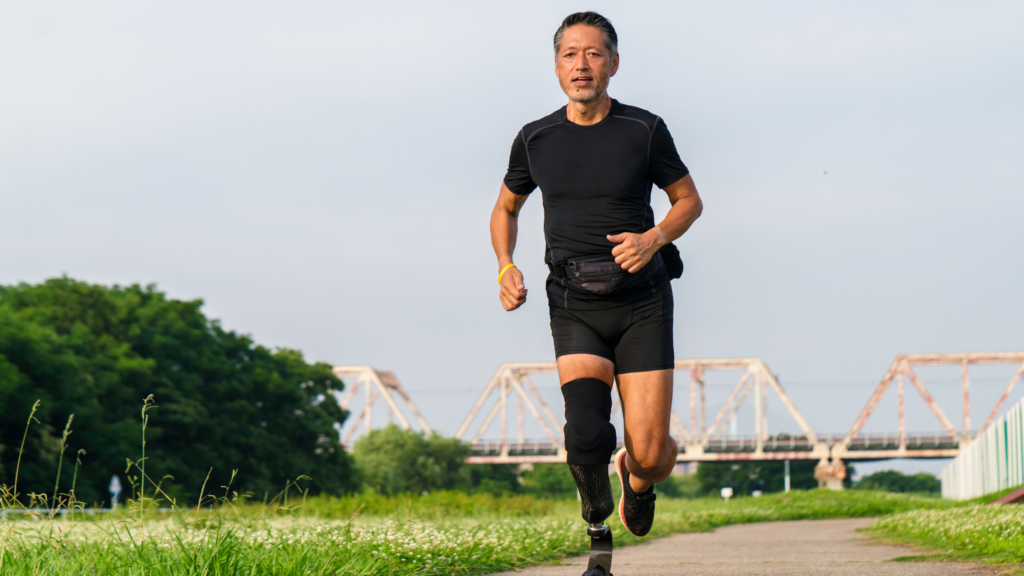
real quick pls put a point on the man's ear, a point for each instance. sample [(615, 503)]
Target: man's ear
[(615, 64)]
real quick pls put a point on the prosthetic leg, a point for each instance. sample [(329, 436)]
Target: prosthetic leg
[(597, 504), (589, 443)]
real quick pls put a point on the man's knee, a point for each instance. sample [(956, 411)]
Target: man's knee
[(654, 455), (589, 434)]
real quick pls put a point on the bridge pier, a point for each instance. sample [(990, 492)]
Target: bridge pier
[(830, 475)]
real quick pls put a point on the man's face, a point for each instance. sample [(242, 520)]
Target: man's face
[(583, 64)]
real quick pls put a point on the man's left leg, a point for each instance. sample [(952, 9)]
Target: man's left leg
[(650, 452)]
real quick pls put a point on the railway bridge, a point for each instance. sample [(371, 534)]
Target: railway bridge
[(511, 389)]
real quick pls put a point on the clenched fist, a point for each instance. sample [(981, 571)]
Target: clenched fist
[(634, 251), (513, 290)]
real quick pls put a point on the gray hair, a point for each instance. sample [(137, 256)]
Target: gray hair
[(611, 40)]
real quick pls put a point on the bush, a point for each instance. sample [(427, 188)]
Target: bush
[(680, 486), (767, 476), (495, 479), (894, 481), (549, 481), (396, 461)]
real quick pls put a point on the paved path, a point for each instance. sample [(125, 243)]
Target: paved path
[(805, 547)]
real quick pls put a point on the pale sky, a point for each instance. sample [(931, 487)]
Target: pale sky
[(322, 173)]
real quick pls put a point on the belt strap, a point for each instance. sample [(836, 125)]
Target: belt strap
[(562, 270)]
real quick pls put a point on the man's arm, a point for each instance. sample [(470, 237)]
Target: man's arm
[(634, 251), (504, 228)]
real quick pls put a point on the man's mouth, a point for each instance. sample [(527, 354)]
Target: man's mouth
[(582, 80)]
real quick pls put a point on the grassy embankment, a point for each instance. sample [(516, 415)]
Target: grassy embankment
[(442, 533), (973, 530)]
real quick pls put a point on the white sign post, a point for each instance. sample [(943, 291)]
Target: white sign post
[(726, 493), (115, 491)]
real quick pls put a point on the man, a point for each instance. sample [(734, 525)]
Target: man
[(609, 297)]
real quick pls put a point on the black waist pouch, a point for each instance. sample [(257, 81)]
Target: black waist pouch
[(673, 261), (601, 274), (597, 274)]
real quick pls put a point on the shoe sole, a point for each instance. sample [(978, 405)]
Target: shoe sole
[(622, 486)]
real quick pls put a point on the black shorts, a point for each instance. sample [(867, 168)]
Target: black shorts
[(636, 337)]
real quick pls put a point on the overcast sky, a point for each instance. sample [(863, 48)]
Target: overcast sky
[(321, 174)]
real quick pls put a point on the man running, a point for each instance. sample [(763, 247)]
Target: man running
[(609, 297)]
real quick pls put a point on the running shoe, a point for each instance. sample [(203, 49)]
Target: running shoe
[(635, 510)]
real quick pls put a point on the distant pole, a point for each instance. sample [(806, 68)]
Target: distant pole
[(787, 474), (115, 490)]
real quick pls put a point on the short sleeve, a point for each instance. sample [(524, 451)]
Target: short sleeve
[(664, 165), (518, 178)]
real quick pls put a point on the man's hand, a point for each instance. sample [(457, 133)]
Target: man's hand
[(634, 251), (513, 290)]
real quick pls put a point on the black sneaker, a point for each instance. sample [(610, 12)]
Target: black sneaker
[(635, 510)]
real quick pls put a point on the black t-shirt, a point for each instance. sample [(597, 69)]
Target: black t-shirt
[(595, 180)]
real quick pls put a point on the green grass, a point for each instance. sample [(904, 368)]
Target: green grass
[(436, 506), (441, 533), (434, 534), (974, 530)]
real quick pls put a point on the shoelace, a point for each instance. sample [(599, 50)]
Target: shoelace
[(640, 504)]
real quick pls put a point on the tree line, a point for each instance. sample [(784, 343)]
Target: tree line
[(225, 406), (394, 461)]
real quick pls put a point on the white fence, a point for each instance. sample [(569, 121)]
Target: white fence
[(992, 462)]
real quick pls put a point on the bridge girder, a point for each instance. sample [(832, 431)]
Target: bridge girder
[(697, 441), (902, 367), (375, 384)]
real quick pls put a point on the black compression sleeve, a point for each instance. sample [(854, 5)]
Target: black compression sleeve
[(518, 178), (589, 434), (665, 166)]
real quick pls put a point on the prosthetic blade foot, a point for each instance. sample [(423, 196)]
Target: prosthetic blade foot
[(600, 563)]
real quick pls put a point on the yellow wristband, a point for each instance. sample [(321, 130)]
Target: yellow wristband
[(503, 270)]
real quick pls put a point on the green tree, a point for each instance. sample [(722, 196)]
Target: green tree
[(680, 486), (767, 476), (396, 461), (225, 402), (549, 481), (895, 481), (495, 479), (32, 367)]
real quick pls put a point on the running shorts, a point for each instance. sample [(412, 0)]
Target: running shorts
[(636, 337)]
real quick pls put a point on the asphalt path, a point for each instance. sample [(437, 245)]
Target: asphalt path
[(801, 548)]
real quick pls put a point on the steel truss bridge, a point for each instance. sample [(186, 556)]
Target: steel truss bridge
[(699, 440)]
